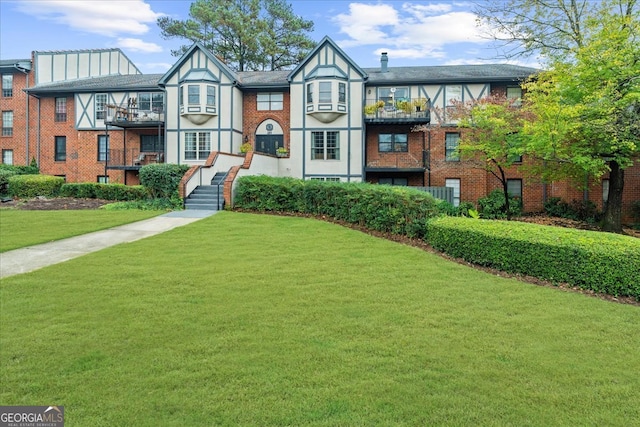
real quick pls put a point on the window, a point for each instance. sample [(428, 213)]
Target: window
[(393, 181), (392, 142), (326, 178), (324, 94), (7, 157), (7, 85), (309, 93), (103, 148), (390, 95), (194, 94), (7, 123), (342, 92), (151, 143), (197, 145), (325, 146), (455, 184), (514, 188), (211, 95), (103, 179), (605, 191), (514, 94), (61, 110), (181, 95), (60, 154), (451, 143), (270, 101), (101, 101), (153, 101)]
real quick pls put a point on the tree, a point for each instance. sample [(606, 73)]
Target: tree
[(247, 35), (587, 111), (550, 28)]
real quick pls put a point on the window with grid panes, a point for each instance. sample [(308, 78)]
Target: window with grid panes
[(451, 143), (7, 85), (60, 148), (325, 145), (101, 102), (61, 110), (197, 145), (270, 101), (7, 123)]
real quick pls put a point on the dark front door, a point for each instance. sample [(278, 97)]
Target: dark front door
[(268, 144)]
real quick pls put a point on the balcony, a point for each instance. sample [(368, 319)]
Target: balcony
[(389, 111), (397, 162), (132, 117), (133, 159)]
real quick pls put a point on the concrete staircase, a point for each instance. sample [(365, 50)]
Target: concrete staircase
[(208, 197)]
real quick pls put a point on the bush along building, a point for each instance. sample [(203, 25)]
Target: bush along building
[(91, 115)]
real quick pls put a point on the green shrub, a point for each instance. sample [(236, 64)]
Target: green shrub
[(493, 206), (94, 190), (580, 210), (146, 205), (4, 179), (162, 179), (21, 170), (397, 210), (603, 262), (34, 185)]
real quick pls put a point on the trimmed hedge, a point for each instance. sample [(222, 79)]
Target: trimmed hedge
[(397, 210), (94, 190), (20, 170), (603, 262), (34, 185), (162, 179)]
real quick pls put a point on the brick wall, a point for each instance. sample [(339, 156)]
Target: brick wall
[(17, 104), (252, 117)]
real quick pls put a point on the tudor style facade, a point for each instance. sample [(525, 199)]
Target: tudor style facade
[(92, 116)]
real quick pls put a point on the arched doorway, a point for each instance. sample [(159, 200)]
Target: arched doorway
[(269, 137)]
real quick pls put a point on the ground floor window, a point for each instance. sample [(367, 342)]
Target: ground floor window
[(455, 184), (60, 154), (197, 145), (326, 178), (393, 181), (151, 143), (7, 157), (514, 188), (325, 145), (103, 179)]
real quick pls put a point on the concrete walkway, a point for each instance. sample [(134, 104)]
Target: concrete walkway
[(31, 258)]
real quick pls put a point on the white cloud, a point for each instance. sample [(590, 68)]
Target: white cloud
[(138, 45), (107, 18), (410, 30)]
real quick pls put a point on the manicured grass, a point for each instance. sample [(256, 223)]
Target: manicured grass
[(243, 319), (24, 228)]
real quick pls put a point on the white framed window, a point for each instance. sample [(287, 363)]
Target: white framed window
[(197, 145), (342, 92), (325, 145), (7, 85), (103, 148), (455, 184), (61, 110), (514, 94), (211, 95), (309, 93), (7, 123), (324, 92), (103, 179), (326, 178), (7, 157), (194, 94), (270, 101), (451, 144), (101, 102)]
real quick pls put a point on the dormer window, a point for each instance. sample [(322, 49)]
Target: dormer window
[(326, 93), (200, 87)]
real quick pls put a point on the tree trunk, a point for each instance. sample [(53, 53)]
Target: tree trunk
[(612, 220), (503, 180)]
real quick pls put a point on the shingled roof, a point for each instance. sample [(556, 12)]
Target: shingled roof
[(105, 83), (450, 73)]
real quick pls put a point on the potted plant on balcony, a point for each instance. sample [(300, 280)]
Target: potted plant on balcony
[(245, 148), (420, 105), (282, 152)]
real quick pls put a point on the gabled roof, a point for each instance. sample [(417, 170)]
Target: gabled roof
[(326, 40), (450, 74), (15, 65), (263, 79), (185, 56), (142, 82)]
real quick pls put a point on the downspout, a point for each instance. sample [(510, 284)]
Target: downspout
[(424, 159), (429, 152)]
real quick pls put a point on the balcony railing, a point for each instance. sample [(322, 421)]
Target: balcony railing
[(399, 110), (133, 158), (132, 116)]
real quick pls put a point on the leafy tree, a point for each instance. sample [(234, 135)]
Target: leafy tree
[(551, 28), (247, 35), (587, 111)]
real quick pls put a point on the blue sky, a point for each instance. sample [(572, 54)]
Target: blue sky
[(412, 32)]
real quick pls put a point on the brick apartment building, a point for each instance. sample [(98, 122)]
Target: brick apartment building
[(91, 115)]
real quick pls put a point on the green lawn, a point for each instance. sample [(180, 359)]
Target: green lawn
[(24, 228), (243, 319)]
